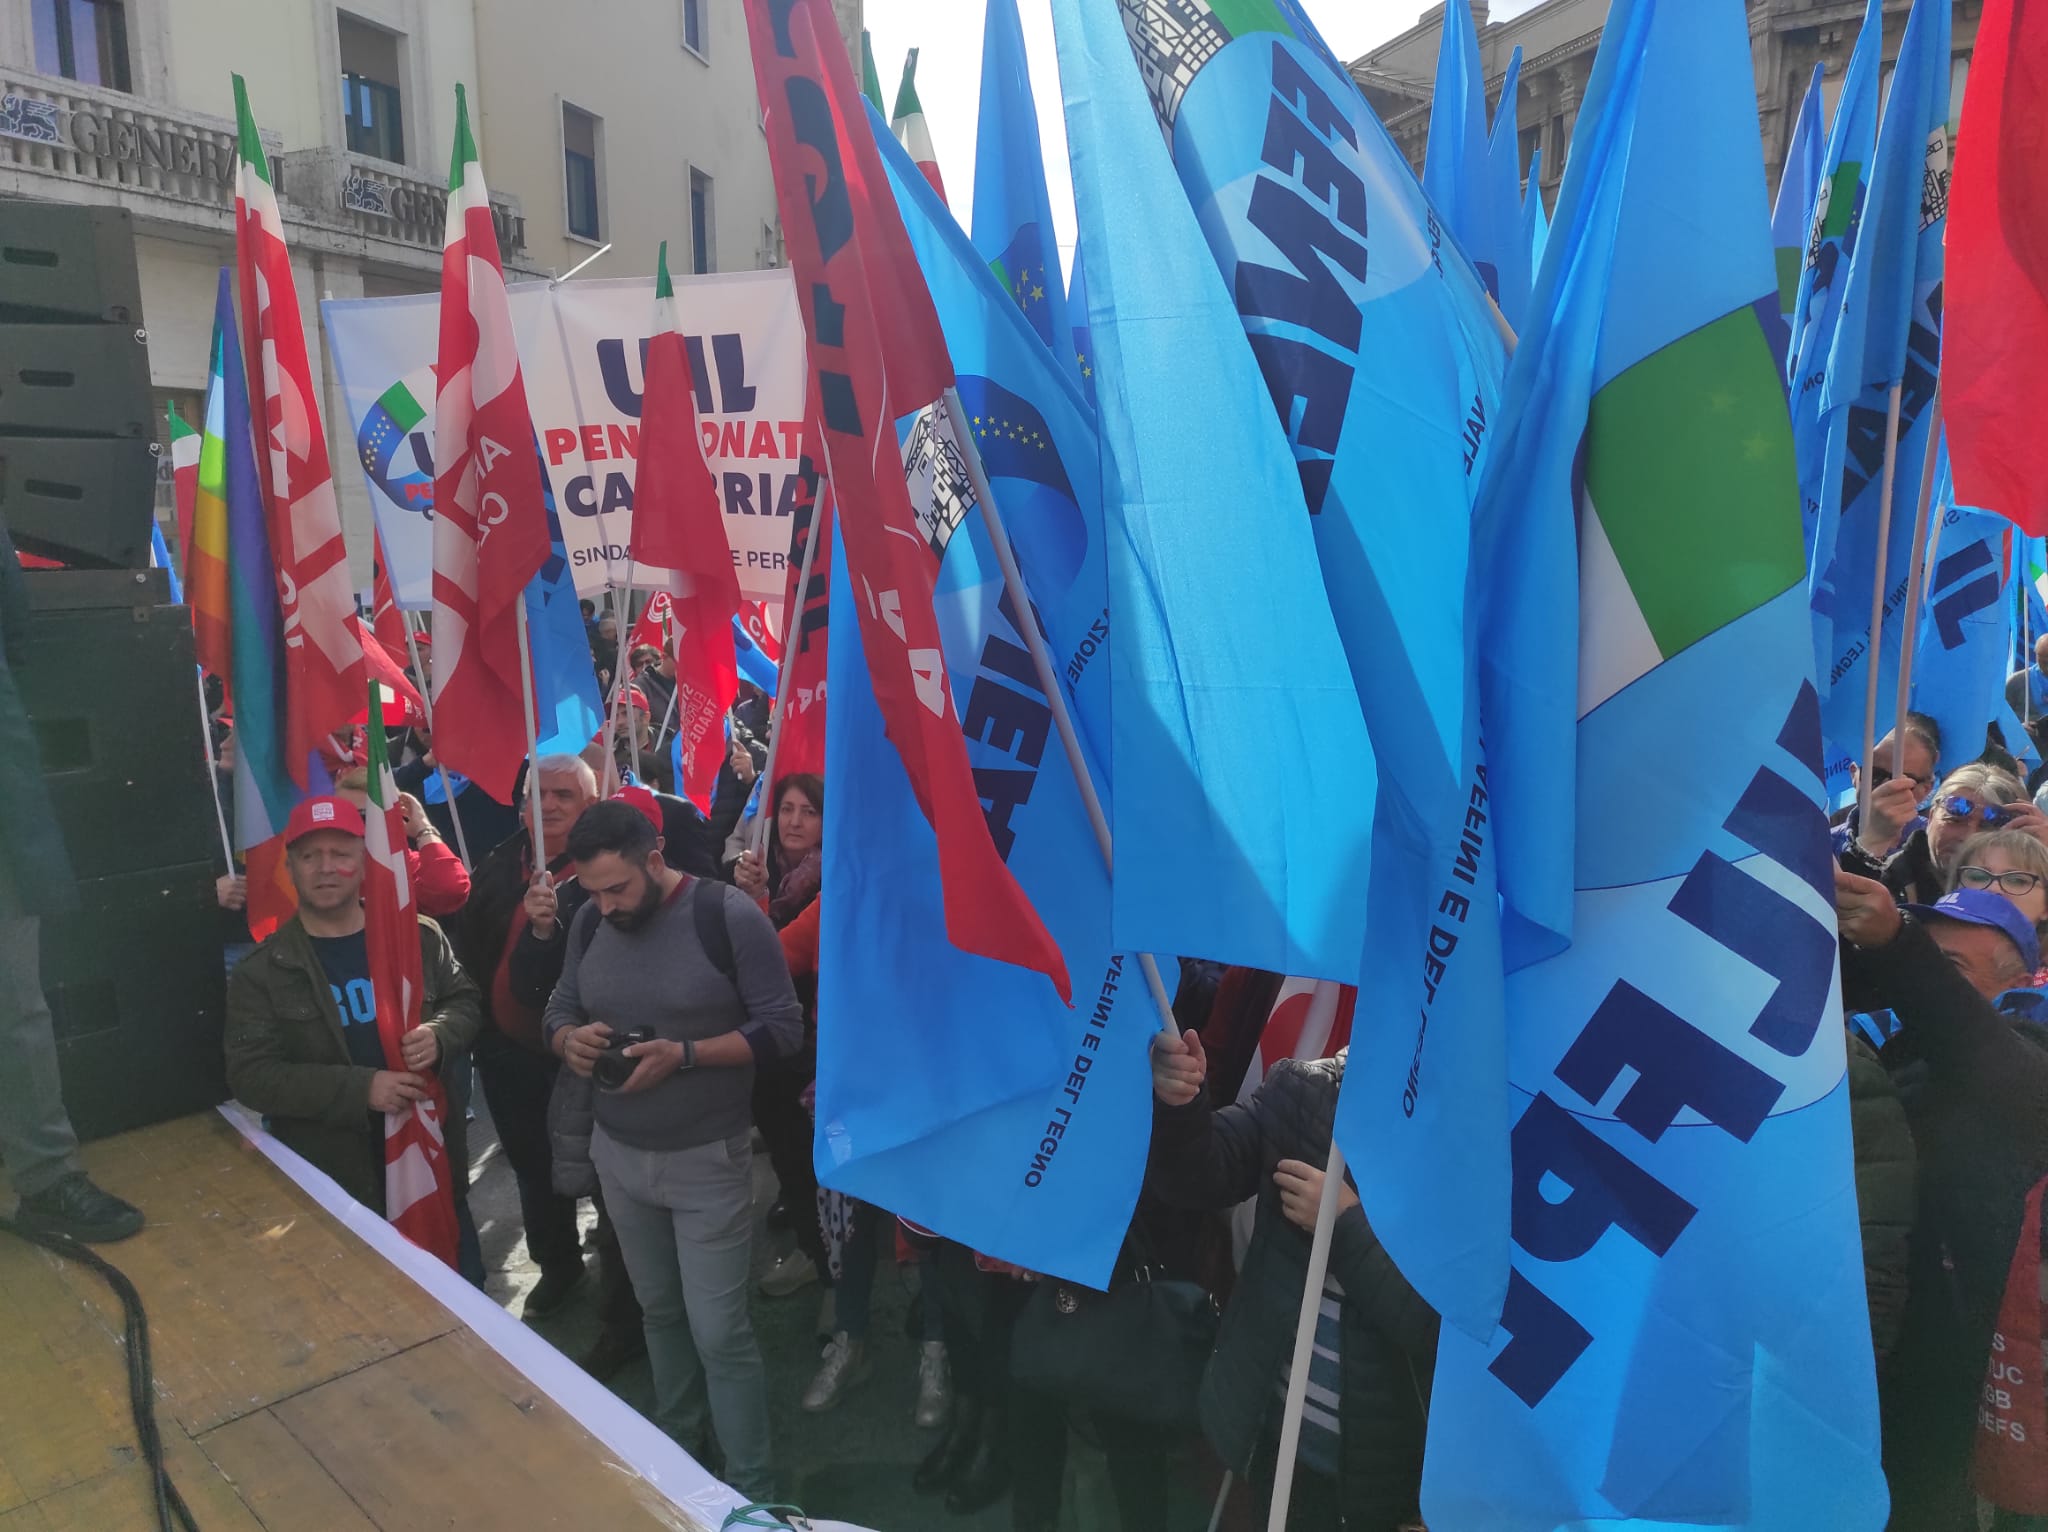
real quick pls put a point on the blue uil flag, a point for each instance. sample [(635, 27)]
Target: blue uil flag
[(1685, 1341), (1381, 362), (957, 1091)]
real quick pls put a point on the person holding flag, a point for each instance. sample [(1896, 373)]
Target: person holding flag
[(339, 1023)]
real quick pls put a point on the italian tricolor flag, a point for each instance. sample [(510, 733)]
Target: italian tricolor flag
[(184, 483), (419, 1184), (679, 525), (911, 131)]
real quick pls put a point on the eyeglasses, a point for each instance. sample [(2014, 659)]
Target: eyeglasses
[(1992, 814), (1879, 775), (2012, 884)]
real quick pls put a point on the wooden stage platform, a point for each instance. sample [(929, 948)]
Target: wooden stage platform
[(304, 1383)]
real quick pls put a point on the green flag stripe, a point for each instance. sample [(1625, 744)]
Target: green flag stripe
[(1690, 471), (249, 142)]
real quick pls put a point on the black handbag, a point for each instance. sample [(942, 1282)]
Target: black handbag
[(1136, 1352)]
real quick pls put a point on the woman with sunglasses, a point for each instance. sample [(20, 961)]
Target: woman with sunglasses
[(2014, 864), (1970, 800)]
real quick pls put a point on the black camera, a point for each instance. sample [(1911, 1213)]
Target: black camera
[(612, 1069)]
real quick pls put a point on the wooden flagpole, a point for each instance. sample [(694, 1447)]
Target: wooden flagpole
[(220, 815), (792, 636), (540, 840), (1923, 556), (1884, 533)]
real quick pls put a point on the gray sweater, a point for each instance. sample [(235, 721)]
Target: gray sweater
[(659, 977)]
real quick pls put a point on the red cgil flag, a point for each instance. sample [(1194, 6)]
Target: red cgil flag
[(419, 1182), (679, 525), (323, 636), (1994, 348), (386, 620), (876, 354), (490, 527)]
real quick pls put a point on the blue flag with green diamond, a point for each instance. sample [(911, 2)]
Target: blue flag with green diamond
[(1685, 1341)]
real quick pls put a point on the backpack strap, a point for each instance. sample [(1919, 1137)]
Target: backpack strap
[(583, 928), (714, 935)]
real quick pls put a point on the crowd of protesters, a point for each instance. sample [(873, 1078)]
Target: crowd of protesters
[(639, 1017)]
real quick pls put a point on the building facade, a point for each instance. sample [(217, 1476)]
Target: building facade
[(626, 122), (1559, 38)]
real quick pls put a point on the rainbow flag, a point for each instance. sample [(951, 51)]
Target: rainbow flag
[(230, 512), (206, 536)]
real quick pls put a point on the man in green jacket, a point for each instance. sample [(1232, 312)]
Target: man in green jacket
[(302, 1040), (36, 1141)]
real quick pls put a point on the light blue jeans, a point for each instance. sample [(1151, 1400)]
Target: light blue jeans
[(685, 1220)]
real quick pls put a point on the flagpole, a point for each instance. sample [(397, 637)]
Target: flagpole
[(667, 715), (1041, 660), (1323, 1010), (792, 637), (412, 647), (1923, 556), (220, 814), (540, 840), (1884, 533)]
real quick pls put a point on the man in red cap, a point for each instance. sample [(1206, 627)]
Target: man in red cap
[(302, 1041)]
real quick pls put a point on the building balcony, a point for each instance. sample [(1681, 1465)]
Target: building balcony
[(82, 143)]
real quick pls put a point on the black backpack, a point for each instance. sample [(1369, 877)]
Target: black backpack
[(714, 935)]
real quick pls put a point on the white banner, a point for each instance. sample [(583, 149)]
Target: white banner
[(581, 347)]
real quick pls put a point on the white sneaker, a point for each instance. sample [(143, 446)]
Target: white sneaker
[(846, 1366), (934, 1386)]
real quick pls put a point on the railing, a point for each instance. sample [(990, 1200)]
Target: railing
[(84, 133), (386, 201)]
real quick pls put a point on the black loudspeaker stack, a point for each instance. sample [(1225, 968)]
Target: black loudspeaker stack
[(109, 678)]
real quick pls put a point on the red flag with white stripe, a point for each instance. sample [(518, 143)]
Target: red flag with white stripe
[(323, 636), (679, 525), (1291, 1032), (876, 353), (419, 1179), (490, 527)]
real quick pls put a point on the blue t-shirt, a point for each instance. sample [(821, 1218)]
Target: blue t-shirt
[(346, 960)]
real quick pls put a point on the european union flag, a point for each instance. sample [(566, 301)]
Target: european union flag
[(1685, 1340), (1227, 657), (1012, 212), (954, 1090), (1888, 336), (1077, 317)]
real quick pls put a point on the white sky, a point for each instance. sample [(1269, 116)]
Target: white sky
[(947, 34)]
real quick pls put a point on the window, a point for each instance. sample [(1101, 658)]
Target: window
[(702, 257), (694, 37), (82, 40), (1527, 140), (372, 115), (582, 136)]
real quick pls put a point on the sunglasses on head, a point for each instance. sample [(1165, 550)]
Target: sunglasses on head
[(2014, 885), (1992, 814)]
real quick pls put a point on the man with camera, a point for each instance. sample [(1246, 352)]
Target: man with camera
[(672, 989)]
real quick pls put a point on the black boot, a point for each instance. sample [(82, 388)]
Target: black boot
[(985, 1477), (74, 1207), (944, 1462)]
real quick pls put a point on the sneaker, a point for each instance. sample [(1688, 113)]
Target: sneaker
[(846, 1366), (934, 1386), (77, 1209), (551, 1294), (791, 1273), (828, 1318)]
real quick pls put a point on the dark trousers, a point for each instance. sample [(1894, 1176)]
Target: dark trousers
[(786, 1129), (517, 1083), (1038, 1435)]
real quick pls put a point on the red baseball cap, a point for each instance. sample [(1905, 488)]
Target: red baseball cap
[(637, 698), (322, 814), (643, 799)]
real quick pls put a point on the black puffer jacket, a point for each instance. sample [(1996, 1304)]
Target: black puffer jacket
[(1205, 1158)]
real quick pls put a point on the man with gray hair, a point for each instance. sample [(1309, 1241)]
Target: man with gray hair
[(509, 898)]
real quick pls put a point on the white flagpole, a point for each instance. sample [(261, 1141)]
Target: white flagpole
[(1884, 533), (668, 715), (1048, 680), (1322, 1007), (412, 647), (792, 636), (220, 815), (1923, 556), (540, 840)]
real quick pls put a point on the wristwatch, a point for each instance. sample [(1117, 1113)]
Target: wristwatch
[(689, 1055)]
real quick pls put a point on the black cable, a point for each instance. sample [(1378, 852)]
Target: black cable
[(141, 1376)]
